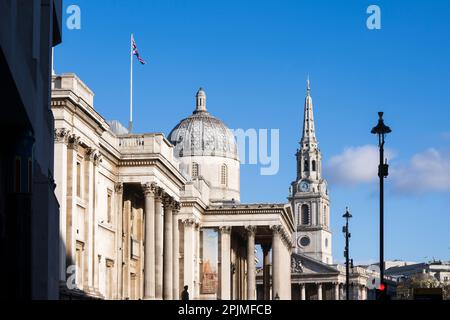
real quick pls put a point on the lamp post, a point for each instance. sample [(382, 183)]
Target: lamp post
[(347, 234), (383, 171)]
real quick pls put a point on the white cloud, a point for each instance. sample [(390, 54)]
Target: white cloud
[(428, 171), (354, 166)]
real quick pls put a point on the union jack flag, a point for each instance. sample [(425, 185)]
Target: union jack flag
[(136, 52)]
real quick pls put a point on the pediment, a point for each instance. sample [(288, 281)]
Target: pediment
[(302, 264)]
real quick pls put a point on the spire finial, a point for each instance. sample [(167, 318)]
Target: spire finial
[(308, 86)]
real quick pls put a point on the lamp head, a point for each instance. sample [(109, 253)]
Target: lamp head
[(347, 214), (381, 128)]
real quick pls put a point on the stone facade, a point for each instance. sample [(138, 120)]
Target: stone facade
[(135, 225)]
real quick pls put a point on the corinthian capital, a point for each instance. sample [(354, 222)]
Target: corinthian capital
[(149, 189), (62, 135), (225, 229), (276, 229), (118, 187), (251, 230), (73, 142)]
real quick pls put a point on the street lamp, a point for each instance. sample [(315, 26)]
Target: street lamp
[(347, 234), (383, 171)]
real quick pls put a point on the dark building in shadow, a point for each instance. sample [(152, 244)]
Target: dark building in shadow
[(29, 218)]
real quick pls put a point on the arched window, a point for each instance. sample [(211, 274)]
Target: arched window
[(224, 175), (325, 216), (305, 218), (306, 166), (195, 170), (314, 166)]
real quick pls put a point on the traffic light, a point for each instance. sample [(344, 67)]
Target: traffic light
[(381, 292)]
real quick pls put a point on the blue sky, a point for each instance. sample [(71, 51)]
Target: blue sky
[(253, 57)]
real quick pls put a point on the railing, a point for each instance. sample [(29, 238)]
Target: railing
[(146, 144)]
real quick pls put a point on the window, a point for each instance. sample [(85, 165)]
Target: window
[(109, 204), (224, 175), (78, 179), (325, 221), (305, 215), (314, 168), (195, 170), (306, 166)]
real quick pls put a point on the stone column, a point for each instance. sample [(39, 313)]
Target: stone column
[(158, 244), (71, 201), (168, 249), (251, 263), (97, 160), (125, 249), (90, 189), (149, 255), (176, 253), (336, 291), (189, 254), (225, 263), (266, 271), (276, 261), (302, 291), (118, 188), (319, 291), (61, 171)]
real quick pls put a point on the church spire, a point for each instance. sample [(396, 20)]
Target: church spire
[(309, 133)]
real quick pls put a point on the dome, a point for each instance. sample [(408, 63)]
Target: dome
[(201, 134)]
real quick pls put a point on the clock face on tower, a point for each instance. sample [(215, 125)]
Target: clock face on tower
[(304, 186)]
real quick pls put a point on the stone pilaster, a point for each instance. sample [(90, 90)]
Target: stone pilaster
[(276, 261), (168, 249), (72, 156), (149, 254), (251, 263), (118, 189), (336, 291), (189, 254), (225, 263), (159, 241), (319, 291), (61, 171), (302, 291), (176, 253)]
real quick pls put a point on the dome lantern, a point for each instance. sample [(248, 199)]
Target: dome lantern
[(201, 101)]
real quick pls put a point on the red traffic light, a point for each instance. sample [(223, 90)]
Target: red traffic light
[(382, 287)]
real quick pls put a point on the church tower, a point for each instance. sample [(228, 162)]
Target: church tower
[(309, 194)]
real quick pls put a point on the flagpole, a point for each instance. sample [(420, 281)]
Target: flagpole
[(130, 126)]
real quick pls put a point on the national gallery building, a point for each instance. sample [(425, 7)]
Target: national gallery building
[(143, 215)]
